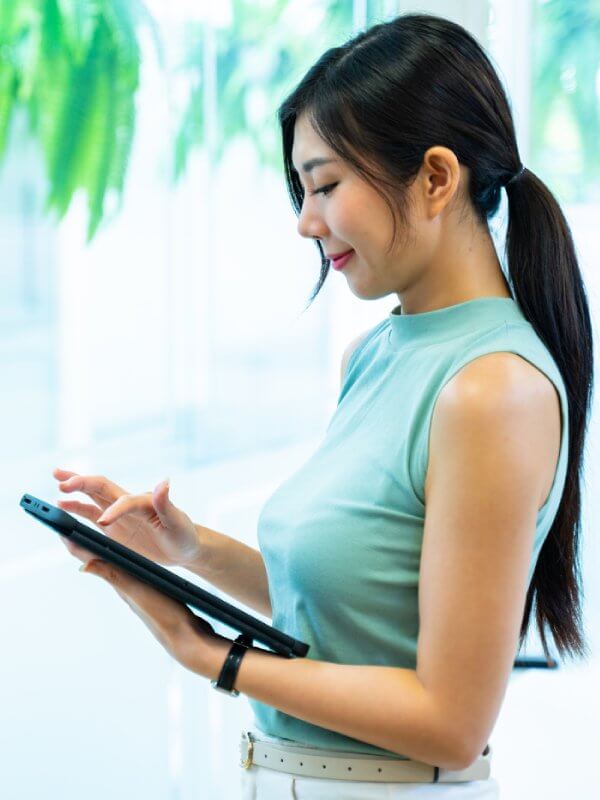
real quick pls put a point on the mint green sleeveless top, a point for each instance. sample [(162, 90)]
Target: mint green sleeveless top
[(341, 537)]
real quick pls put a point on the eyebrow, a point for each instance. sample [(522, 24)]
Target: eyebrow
[(315, 162)]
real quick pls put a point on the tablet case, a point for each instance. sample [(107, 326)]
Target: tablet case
[(162, 579)]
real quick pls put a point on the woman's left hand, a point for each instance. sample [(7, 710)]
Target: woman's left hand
[(188, 638)]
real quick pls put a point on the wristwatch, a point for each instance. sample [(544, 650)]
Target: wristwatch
[(229, 670)]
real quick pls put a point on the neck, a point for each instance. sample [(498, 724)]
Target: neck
[(463, 267)]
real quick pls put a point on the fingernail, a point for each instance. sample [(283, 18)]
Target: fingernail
[(101, 520), (82, 568)]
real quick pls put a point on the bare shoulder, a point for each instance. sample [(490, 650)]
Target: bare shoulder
[(504, 373), (504, 389)]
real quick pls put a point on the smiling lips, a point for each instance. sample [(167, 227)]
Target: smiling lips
[(339, 260), (333, 256)]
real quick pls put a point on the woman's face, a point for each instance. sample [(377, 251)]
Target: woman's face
[(351, 215), (444, 256)]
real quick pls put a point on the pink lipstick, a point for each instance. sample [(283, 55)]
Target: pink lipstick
[(341, 260)]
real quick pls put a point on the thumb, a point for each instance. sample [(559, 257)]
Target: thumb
[(162, 502)]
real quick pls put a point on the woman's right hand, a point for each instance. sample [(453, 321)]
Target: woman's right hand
[(148, 523)]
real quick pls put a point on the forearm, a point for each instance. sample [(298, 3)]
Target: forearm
[(234, 568), (385, 706)]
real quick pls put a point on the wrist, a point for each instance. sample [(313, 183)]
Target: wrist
[(216, 658), (200, 563)]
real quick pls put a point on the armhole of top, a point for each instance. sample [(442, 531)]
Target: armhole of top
[(563, 403)]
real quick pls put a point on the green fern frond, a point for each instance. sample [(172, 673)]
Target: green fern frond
[(74, 66)]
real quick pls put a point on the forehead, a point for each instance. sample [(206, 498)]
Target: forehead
[(309, 147)]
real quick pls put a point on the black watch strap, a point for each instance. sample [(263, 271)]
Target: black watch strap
[(229, 670)]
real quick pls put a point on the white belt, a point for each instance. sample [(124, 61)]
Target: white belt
[(262, 751)]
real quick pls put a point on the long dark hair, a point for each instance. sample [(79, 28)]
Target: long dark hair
[(380, 101)]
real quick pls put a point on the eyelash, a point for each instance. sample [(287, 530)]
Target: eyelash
[(325, 190)]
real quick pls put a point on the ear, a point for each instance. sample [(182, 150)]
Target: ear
[(441, 178)]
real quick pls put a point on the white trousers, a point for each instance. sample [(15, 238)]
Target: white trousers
[(261, 783)]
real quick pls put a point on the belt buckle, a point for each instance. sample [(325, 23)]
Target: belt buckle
[(247, 760)]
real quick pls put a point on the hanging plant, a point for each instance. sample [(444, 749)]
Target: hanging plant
[(72, 67)]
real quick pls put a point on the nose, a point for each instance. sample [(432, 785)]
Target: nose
[(310, 224)]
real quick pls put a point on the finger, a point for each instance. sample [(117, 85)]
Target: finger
[(76, 550), (62, 474), (97, 484), (83, 509), (126, 504), (99, 488), (96, 566)]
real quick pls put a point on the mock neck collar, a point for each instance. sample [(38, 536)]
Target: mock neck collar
[(449, 322)]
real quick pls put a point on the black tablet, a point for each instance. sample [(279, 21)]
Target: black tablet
[(161, 578)]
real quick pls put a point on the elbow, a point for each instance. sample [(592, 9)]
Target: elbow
[(465, 738), (441, 740), (459, 750), (448, 740), (454, 760), (460, 762), (466, 753)]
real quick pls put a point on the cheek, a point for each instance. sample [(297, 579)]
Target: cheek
[(343, 216), (353, 222), (372, 221)]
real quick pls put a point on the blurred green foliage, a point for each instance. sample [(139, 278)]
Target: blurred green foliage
[(259, 58), (72, 68), (565, 119)]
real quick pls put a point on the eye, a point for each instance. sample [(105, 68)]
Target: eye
[(325, 190)]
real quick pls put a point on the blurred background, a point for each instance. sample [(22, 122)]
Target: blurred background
[(152, 324)]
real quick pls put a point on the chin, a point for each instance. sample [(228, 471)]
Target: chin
[(366, 292)]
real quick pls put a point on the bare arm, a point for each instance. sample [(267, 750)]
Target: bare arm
[(234, 568), (385, 706)]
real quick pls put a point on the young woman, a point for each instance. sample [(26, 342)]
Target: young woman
[(445, 496)]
